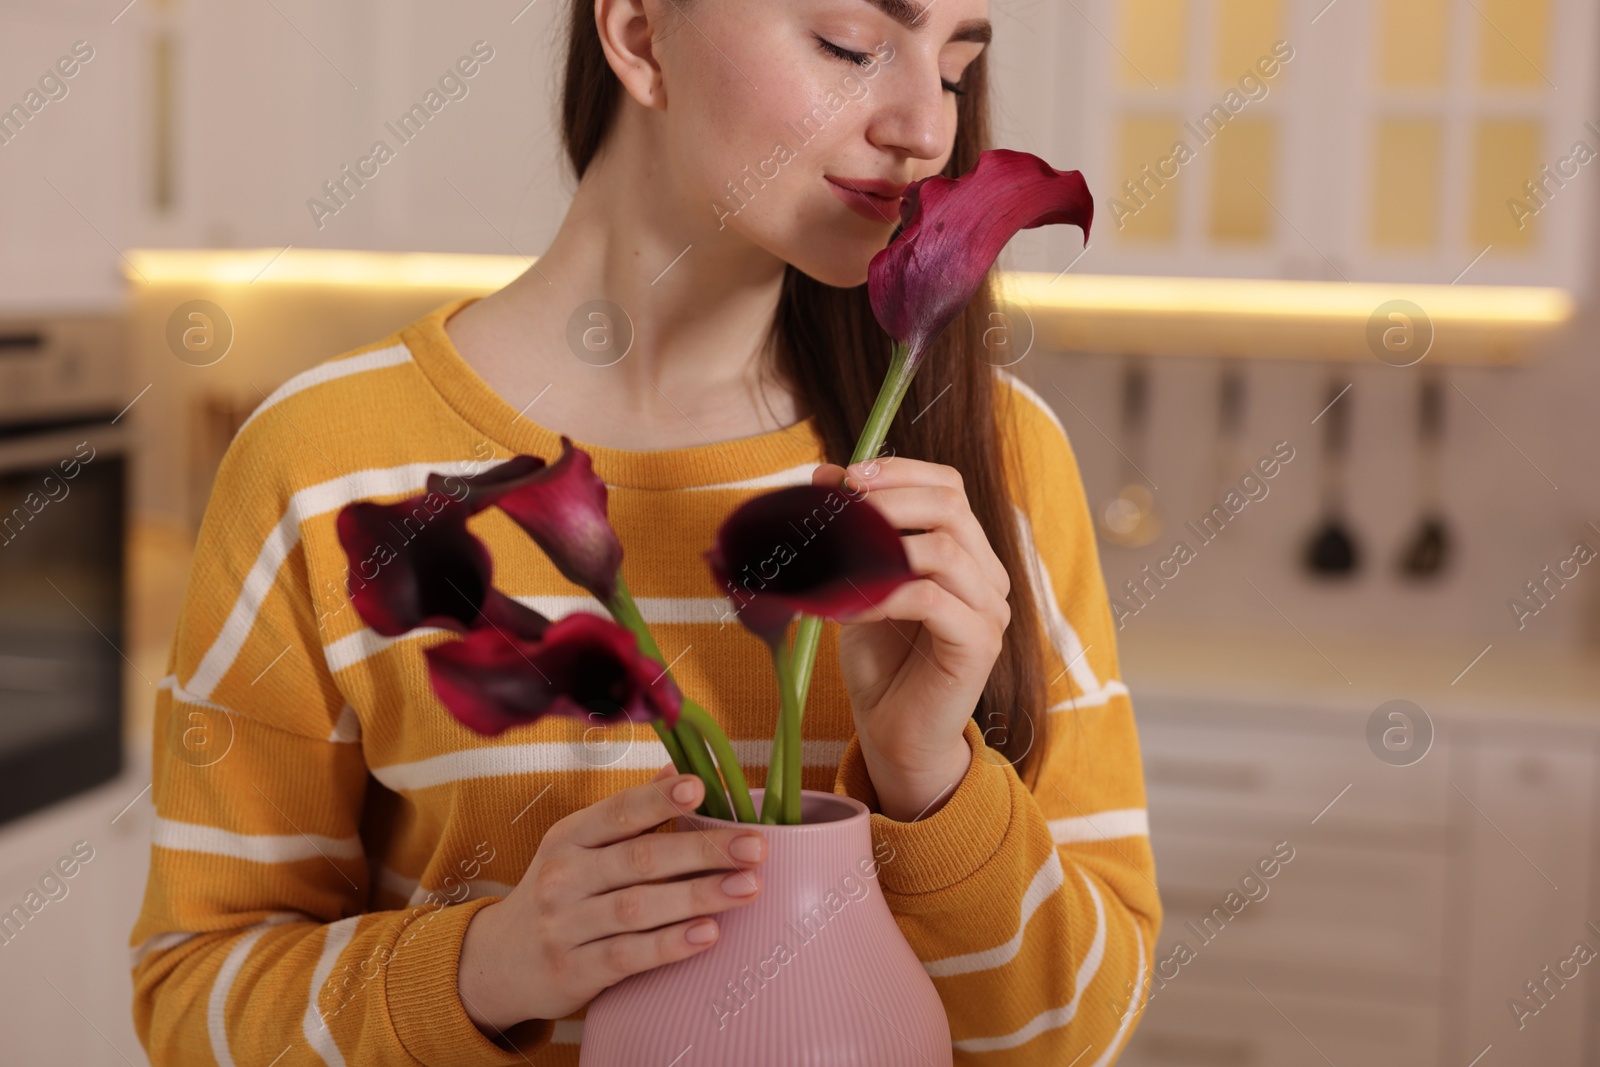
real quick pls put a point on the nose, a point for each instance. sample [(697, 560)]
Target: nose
[(912, 117)]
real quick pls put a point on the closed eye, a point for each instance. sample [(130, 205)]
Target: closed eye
[(862, 59)]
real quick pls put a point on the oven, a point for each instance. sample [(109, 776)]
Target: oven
[(64, 469)]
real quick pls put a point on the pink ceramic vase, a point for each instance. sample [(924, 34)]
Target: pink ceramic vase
[(813, 973)]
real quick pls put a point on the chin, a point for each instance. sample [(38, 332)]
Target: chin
[(831, 268), (834, 250)]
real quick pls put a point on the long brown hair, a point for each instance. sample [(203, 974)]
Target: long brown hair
[(827, 345)]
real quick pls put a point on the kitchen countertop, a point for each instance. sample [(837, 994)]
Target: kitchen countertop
[(1513, 677)]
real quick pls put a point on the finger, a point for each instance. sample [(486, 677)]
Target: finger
[(937, 554), (890, 472), (942, 507), (829, 474), (653, 904), (666, 772), (633, 811), (615, 958), (959, 633), (649, 857)]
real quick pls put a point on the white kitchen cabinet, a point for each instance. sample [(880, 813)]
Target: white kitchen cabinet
[(66, 993), (1527, 818), (1228, 1023), (1419, 901)]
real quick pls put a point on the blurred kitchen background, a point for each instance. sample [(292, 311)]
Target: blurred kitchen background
[(1370, 262)]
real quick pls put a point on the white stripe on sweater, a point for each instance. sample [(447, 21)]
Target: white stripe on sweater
[(257, 848), (1135, 1005), (799, 474), (157, 943), (222, 984), (173, 938), (413, 892), (1062, 636), (1027, 391), (552, 757), (393, 356), (1101, 826), (1046, 880), (1094, 699), (313, 1025), (217, 1004), (348, 729), (320, 499), (1054, 1017), (309, 502), (365, 643)]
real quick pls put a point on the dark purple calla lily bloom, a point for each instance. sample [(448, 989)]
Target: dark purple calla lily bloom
[(414, 563), (952, 230), (562, 506), (585, 666), (807, 549)]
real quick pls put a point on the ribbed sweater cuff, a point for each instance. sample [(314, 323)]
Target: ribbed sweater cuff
[(425, 1003), (950, 845)]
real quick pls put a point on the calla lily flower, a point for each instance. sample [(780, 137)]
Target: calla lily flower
[(952, 230), (585, 666), (562, 506), (806, 549), (414, 563)]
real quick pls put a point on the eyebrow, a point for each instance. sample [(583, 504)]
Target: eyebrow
[(909, 15)]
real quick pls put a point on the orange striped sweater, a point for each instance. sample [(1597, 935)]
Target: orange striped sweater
[(325, 830)]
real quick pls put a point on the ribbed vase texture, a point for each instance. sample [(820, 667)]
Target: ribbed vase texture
[(813, 973)]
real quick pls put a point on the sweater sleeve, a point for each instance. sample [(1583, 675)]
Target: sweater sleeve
[(1035, 911), (253, 944)]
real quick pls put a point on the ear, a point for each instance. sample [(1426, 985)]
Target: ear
[(628, 30)]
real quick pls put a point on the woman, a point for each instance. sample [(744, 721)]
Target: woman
[(342, 873)]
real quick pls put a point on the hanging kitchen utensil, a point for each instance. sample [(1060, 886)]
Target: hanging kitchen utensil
[(1428, 551), (1332, 551), (1129, 519), (1230, 458)]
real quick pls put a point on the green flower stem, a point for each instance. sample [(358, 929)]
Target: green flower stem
[(789, 725), (694, 743), (893, 391), (770, 800), (679, 759), (698, 719), (696, 759)]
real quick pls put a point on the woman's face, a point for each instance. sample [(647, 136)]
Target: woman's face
[(794, 124)]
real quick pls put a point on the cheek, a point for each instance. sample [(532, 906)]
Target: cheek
[(728, 126)]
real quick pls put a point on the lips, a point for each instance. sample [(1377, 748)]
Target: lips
[(872, 198)]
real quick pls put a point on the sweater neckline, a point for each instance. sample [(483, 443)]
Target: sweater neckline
[(731, 463)]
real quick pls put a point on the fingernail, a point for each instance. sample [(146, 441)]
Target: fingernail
[(738, 885), (683, 792), (746, 847), (701, 933)]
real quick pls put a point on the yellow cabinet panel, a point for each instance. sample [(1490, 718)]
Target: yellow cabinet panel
[(1149, 210), (1246, 31), (1513, 42), (1413, 42), (1406, 155), (1241, 181), (1152, 37), (1505, 155)]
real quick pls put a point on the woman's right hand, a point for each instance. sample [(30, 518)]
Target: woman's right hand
[(599, 902)]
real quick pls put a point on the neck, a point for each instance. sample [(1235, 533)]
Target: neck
[(700, 298)]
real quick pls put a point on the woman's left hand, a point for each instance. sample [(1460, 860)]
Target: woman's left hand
[(916, 663)]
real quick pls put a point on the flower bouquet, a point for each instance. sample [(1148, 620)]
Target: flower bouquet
[(508, 665)]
